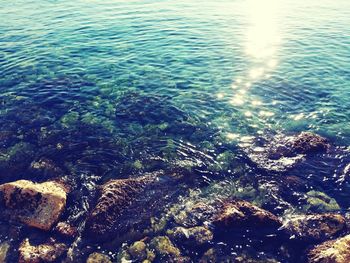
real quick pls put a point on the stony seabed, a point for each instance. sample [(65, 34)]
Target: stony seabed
[(137, 179)]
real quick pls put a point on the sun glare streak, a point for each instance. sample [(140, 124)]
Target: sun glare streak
[(262, 35)]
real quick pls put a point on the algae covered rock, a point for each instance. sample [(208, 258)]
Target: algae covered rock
[(194, 236), (138, 250), (115, 196), (320, 202), (42, 253), (165, 249), (237, 213), (98, 258), (35, 204), (333, 251), (316, 227)]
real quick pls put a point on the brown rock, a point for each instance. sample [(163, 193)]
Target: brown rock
[(116, 195), (238, 213), (307, 142), (316, 227), (49, 252), (284, 152), (333, 251), (37, 205)]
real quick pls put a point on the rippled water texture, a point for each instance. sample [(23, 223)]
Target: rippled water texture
[(116, 89)]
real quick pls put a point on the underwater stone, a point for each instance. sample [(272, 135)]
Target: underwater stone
[(165, 249), (16, 159), (332, 251), (316, 227), (237, 213), (45, 167), (35, 204), (4, 248), (209, 256), (320, 202), (69, 119), (43, 253), (138, 250), (284, 152), (115, 196), (146, 109), (194, 236), (98, 258)]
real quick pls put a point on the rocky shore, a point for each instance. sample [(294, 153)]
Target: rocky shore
[(158, 216)]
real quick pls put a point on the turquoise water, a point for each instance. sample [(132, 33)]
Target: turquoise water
[(110, 89)]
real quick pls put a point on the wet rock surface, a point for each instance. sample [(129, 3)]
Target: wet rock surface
[(165, 250), (35, 204), (282, 153), (48, 252), (332, 251), (66, 229), (116, 195), (316, 227), (238, 214)]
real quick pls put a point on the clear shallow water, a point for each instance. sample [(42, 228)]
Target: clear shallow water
[(117, 88)]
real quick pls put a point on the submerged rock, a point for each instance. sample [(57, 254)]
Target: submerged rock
[(333, 251), (4, 248), (49, 252), (284, 152), (316, 227), (236, 214), (146, 109), (320, 202), (165, 250), (45, 167), (98, 258), (194, 236), (35, 204), (116, 195), (138, 250)]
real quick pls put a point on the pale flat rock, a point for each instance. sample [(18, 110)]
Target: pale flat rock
[(35, 204)]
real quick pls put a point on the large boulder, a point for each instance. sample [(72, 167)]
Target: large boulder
[(35, 204), (42, 253), (333, 251), (317, 227), (115, 197)]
